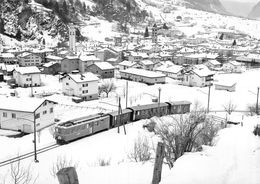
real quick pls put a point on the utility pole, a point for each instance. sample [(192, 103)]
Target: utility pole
[(256, 108), (159, 100), (208, 98), (32, 86), (34, 138), (126, 94), (119, 117)]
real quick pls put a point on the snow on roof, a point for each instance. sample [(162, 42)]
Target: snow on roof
[(235, 63), (85, 77), (212, 55), (141, 72), (7, 67), (24, 104), (170, 69), (203, 72), (146, 62), (214, 62), (89, 58), (52, 57), (27, 70), (71, 57), (112, 59), (24, 54), (49, 64), (225, 82), (127, 63), (104, 65), (7, 55)]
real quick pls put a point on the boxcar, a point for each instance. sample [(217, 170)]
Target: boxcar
[(80, 127), (179, 107), (148, 111), (115, 119)]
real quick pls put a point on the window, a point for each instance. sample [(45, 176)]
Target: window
[(44, 103), (67, 83), (13, 115), (51, 110), (4, 114), (44, 112), (37, 116)]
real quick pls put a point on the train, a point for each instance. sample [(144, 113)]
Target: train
[(74, 129)]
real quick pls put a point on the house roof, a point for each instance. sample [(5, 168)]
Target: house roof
[(214, 62), (235, 63), (52, 57), (104, 65), (8, 68), (127, 63), (89, 58), (85, 77), (72, 57), (24, 104), (49, 64), (170, 69), (203, 72), (141, 72), (27, 70), (7, 55), (146, 62), (24, 54)]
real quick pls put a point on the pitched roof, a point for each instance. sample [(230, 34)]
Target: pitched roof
[(146, 62), (49, 64), (53, 57), (235, 63), (104, 65), (24, 104), (7, 55), (85, 77), (141, 72), (27, 70), (89, 58), (127, 63), (203, 72), (24, 54)]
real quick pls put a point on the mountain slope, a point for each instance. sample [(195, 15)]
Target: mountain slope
[(205, 5), (255, 12), (238, 8)]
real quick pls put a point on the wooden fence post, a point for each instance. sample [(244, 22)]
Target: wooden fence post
[(157, 171), (68, 176)]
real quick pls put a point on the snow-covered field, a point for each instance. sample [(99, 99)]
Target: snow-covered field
[(234, 159)]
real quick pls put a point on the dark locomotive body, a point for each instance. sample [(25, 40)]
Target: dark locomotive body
[(84, 126)]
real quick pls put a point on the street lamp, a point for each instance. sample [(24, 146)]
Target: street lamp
[(159, 100), (34, 136)]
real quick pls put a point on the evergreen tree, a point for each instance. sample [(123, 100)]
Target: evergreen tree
[(56, 7), (234, 43), (146, 33), (64, 7)]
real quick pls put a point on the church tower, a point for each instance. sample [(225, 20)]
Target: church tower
[(72, 38)]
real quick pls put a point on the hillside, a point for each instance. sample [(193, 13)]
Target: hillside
[(255, 12), (238, 8)]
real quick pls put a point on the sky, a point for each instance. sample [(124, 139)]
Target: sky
[(244, 1)]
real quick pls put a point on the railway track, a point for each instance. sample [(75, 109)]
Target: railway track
[(28, 155)]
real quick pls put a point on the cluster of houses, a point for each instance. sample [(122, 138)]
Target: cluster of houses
[(192, 62)]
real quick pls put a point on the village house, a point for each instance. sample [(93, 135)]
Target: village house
[(102, 69), (8, 58), (197, 76), (105, 54), (70, 63), (232, 66), (144, 76), (20, 114), (172, 71), (51, 68), (29, 59), (87, 60), (146, 64), (213, 64), (84, 85), (127, 64), (154, 57), (136, 57), (27, 76), (7, 69)]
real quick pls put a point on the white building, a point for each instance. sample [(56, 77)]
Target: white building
[(20, 114), (127, 64), (81, 85), (27, 76), (232, 66), (172, 71), (29, 59), (199, 77)]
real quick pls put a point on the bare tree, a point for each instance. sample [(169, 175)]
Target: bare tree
[(107, 87), (229, 107), (62, 162), (20, 174), (251, 109), (184, 133), (141, 151)]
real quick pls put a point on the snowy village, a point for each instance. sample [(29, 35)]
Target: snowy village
[(129, 92)]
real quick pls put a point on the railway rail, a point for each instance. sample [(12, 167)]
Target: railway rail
[(28, 155)]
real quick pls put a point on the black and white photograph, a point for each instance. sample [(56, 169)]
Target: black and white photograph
[(129, 91)]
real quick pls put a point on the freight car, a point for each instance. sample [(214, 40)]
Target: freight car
[(81, 127)]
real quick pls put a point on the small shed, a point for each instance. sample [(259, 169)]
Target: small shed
[(226, 85)]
